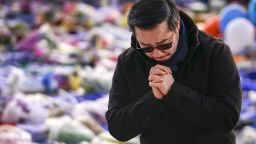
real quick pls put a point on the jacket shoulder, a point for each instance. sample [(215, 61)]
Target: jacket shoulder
[(128, 55), (212, 45), (127, 52)]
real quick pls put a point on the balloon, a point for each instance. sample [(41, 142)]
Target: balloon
[(239, 34), (252, 11), (230, 7), (212, 26), (229, 13)]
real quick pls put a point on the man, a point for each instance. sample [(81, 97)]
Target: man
[(176, 84)]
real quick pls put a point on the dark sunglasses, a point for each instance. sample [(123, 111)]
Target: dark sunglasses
[(150, 49)]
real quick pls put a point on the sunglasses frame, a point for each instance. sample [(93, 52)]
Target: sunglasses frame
[(160, 47)]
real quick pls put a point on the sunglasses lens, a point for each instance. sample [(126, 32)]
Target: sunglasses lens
[(165, 46), (147, 50), (160, 47)]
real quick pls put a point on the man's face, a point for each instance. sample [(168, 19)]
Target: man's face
[(160, 42)]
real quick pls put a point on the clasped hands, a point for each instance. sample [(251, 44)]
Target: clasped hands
[(160, 79)]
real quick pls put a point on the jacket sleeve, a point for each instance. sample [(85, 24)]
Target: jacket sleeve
[(128, 118), (220, 109)]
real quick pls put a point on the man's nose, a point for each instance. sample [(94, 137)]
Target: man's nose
[(156, 53)]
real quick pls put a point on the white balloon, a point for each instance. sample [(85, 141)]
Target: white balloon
[(239, 35)]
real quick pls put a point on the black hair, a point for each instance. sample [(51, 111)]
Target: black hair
[(146, 14)]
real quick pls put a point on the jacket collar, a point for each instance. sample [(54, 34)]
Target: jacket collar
[(192, 33)]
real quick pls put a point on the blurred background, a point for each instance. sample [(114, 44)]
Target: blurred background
[(57, 59)]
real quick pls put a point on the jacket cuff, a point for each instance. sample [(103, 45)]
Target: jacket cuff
[(151, 111), (152, 104), (174, 97)]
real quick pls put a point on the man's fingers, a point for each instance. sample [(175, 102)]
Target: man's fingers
[(157, 71), (155, 78), (154, 84), (163, 68)]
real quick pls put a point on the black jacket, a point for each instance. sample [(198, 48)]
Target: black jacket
[(202, 107)]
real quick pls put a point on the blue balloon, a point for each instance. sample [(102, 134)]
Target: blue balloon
[(229, 13), (252, 11)]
